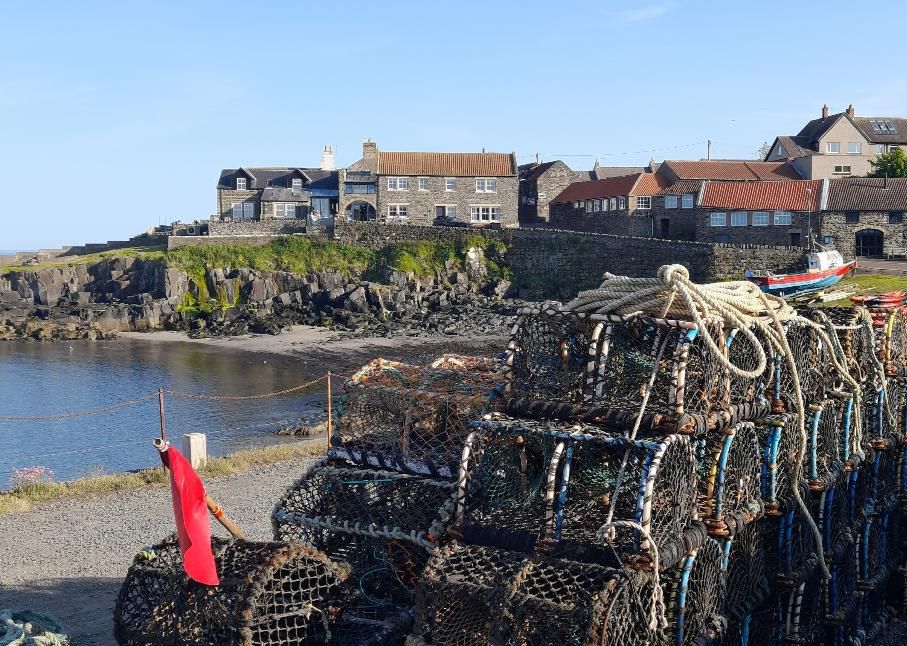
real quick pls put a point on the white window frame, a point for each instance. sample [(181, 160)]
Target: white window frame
[(396, 214), (578, 205), (735, 219), (486, 185), (605, 203), (858, 145), (296, 184), (398, 183), (782, 218), (643, 202), (687, 200), (423, 183), (761, 219), (828, 147), (244, 184), (246, 211), (842, 169), (718, 219), (476, 213), (588, 206), (621, 202), (283, 206), (670, 201), (880, 149), (596, 206), (613, 203), (450, 184)]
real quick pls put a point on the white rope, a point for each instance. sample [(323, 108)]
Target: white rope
[(739, 305), (29, 629)]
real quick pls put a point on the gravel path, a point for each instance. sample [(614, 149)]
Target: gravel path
[(68, 558)]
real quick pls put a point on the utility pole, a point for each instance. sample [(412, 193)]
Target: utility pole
[(708, 149)]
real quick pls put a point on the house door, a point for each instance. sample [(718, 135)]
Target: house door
[(665, 228), (869, 242)]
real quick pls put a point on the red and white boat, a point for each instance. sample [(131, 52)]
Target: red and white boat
[(825, 269)]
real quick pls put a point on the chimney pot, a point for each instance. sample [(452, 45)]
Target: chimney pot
[(825, 111), (850, 111)]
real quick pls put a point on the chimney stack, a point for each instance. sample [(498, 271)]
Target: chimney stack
[(850, 111), (327, 159), (825, 111), (370, 153)]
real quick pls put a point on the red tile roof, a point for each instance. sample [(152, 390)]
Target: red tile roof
[(447, 164), (763, 196), (611, 187), (648, 184), (867, 194), (733, 170)]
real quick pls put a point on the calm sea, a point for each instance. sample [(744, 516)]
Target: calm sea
[(58, 378)]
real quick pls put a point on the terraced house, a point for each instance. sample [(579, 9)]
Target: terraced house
[(454, 189), (617, 205)]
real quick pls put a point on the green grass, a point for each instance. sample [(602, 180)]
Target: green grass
[(868, 284), (22, 498), (150, 252)]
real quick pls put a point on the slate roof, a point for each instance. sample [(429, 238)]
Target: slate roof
[(796, 146), (530, 172), (867, 194), (732, 170), (803, 195), (447, 164), (899, 137), (604, 172), (611, 187), (280, 194), (280, 176)]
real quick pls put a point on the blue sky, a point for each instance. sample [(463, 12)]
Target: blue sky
[(115, 116)]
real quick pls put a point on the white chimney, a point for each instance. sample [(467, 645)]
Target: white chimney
[(327, 159)]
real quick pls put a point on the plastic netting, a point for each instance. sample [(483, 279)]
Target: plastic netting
[(803, 614), (379, 525), (826, 445), (732, 492), (744, 570), (893, 342), (694, 590), (269, 594), (414, 419), (812, 358), (779, 441), (480, 595)]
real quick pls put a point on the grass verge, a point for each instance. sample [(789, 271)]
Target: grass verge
[(869, 284), (151, 252), (22, 498)]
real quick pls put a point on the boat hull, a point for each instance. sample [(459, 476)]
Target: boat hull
[(792, 284)]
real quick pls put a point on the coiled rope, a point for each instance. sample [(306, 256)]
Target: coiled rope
[(736, 305)]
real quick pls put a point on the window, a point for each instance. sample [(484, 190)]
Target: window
[(852, 217), (588, 206), (243, 210), (596, 205), (671, 202), (577, 205), (297, 184), (398, 183), (896, 217), (854, 148), (783, 218), (760, 218), (605, 204), (687, 202), (446, 211), (240, 183), (738, 219), (450, 184), (486, 185), (621, 202), (613, 203), (795, 239), (832, 147), (358, 187), (718, 220), (827, 239), (485, 213), (282, 210), (396, 211), (880, 149), (780, 151), (842, 169), (423, 183), (643, 202)]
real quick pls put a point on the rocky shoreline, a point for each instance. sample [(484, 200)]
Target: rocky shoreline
[(121, 294)]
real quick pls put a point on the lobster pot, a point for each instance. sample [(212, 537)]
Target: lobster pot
[(874, 611), (731, 491), (412, 419), (803, 614), (743, 565), (857, 339), (790, 547), (764, 626), (481, 595), (893, 342), (883, 471), (380, 525), (831, 511), (872, 549), (825, 444), (812, 358), (694, 591), (779, 440), (269, 593), (572, 492), (884, 414), (842, 595)]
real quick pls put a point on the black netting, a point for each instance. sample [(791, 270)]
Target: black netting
[(269, 594), (694, 591), (732, 493), (744, 566)]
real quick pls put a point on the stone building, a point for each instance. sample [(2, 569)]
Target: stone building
[(540, 183), (286, 193), (779, 213), (865, 216), (840, 144), (460, 189), (617, 205)]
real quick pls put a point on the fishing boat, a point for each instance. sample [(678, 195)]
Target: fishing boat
[(824, 270)]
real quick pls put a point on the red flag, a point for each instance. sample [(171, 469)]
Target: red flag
[(191, 514)]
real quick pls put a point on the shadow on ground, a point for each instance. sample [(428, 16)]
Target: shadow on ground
[(83, 605)]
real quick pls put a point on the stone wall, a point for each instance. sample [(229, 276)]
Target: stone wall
[(256, 227), (728, 262), (536, 195), (226, 197), (203, 241), (628, 223), (844, 234), (780, 235), (377, 236)]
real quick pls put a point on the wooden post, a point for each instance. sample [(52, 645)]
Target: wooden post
[(330, 429), (160, 399)]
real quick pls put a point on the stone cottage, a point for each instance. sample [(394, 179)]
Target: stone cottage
[(540, 183), (617, 205), (865, 216), (459, 189)]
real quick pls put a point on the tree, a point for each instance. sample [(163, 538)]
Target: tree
[(763, 151), (891, 164)]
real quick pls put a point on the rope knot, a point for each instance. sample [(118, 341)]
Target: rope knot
[(669, 274)]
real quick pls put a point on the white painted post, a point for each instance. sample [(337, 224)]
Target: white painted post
[(195, 449)]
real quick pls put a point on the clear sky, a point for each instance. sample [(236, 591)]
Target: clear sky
[(115, 116)]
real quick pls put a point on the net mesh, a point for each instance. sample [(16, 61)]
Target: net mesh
[(732, 490), (270, 593), (693, 593)]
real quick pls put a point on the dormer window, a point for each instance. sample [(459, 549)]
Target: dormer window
[(240, 183), (297, 184)]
